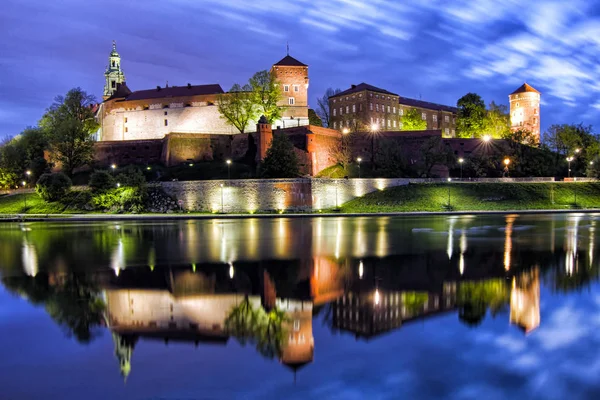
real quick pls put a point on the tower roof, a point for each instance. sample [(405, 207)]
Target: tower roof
[(524, 88), (290, 61), (114, 53)]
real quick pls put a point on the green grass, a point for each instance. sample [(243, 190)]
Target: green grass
[(29, 203), (478, 197)]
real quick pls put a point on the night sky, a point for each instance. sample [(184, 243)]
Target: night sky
[(437, 50)]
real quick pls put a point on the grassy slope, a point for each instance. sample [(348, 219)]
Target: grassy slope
[(480, 196), (15, 204)]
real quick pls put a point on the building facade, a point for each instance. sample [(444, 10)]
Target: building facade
[(189, 109), (525, 110), (365, 107)]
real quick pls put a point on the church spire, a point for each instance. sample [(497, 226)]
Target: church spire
[(114, 76)]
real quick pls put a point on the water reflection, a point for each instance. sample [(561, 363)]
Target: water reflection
[(264, 282)]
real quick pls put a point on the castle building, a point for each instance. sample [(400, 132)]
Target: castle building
[(363, 106), (525, 110), (190, 109)]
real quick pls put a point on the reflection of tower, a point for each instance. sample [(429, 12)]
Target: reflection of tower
[(510, 220), (525, 300), (525, 110), (298, 346), (124, 345), (30, 260)]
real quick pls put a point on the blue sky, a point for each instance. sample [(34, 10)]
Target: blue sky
[(436, 50)]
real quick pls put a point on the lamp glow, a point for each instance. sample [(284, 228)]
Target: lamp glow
[(486, 138)]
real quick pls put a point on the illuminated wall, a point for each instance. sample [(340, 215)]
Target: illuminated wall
[(250, 195), (525, 110)]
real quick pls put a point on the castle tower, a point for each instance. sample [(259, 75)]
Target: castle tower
[(114, 75), (525, 110), (292, 75)]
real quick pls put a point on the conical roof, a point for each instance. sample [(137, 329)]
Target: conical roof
[(525, 88), (290, 61)]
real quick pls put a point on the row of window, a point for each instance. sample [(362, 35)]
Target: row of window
[(286, 88), (382, 108), (360, 95)]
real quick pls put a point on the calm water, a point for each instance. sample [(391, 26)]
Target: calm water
[(345, 308)]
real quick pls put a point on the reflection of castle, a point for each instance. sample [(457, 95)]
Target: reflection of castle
[(525, 300)]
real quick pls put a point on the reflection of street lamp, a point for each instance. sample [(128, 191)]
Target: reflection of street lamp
[(461, 161), (377, 297), (228, 169), (359, 160), (222, 203), (506, 162), (569, 159)]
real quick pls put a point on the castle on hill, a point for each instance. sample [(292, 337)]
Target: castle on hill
[(189, 109)]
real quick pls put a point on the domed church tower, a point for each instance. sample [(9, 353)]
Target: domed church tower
[(525, 110), (114, 75)]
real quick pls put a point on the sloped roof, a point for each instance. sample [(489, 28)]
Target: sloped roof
[(175, 91), (524, 88), (290, 61), (405, 101), (122, 91), (360, 87)]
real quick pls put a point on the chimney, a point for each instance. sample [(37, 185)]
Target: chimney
[(353, 86), (189, 85), (158, 88)]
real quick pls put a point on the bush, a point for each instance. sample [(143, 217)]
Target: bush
[(52, 187), (101, 181), (281, 160), (126, 199), (132, 177)]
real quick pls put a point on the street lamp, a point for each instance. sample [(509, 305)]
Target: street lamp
[(506, 162), (461, 161), (374, 128), (577, 150), (569, 159), (345, 131), (359, 160), (449, 180), (486, 138), (24, 195), (228, 169)]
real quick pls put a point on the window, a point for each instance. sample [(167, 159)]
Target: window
[(377, 107), (126, 130), (286, 88), (360, 107), (334, 124), (334, 101), (360, 95), (394, 110), (452, 132), (371, 120), (291, 101), (394, 123), (113, 63), (341, 110), (400, 125), (371, 106), (447, 131), (296, 325), (424, 116), (335, 112), (371, 94), (166, 113), (113, 84), (296, 88), (401, 111), (446, 118), (535, 111), (347, 109), (376, 96), (346, 97), (434, 117), (517, 104), (535, 121), (353, 108), (125, 119), (389, 123), (388, 108), (166, 122)]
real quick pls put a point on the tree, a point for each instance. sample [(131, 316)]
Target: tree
[(578, 141), (496, 123), (266, 93), (470, 118), (237, 107), (69, 125), (434, 152), (24, 152), (393, 162), (281, 160), (323, 110), (313, 118), (412, 121), (341, 152)]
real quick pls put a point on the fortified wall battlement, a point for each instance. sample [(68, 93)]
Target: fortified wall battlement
[(250, 195)]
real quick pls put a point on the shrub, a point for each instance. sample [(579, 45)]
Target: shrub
[(281, 160), (101, 181), (132, 177), (52, 187), (126, 199)]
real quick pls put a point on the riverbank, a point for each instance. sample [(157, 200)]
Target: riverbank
[(414, 199)]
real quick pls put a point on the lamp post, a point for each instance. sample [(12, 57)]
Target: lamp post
[(359, 160), (374, 129), (449, 180), (506, 162), (228, 169), (461, 161), (24, 195), (569, 159)]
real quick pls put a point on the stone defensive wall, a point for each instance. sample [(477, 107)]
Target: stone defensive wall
[(279, 195)]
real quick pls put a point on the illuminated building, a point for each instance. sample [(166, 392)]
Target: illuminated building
[(525, 110)]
